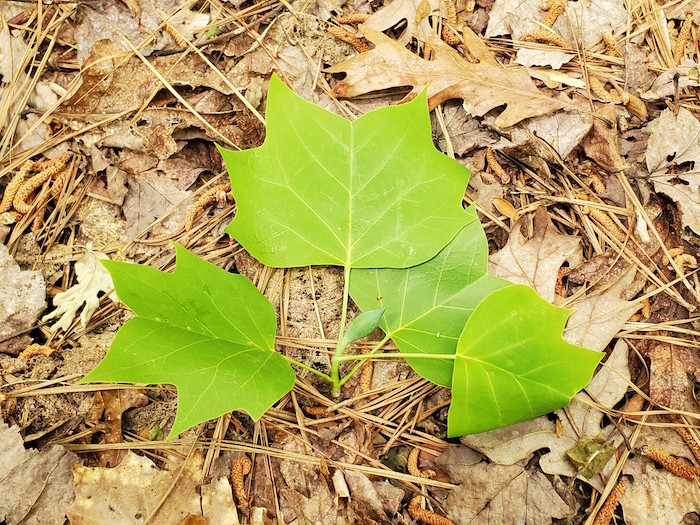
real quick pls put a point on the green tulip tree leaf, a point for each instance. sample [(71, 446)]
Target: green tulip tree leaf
[(372, 193), (512, 363), (428, 305), (206, 331)]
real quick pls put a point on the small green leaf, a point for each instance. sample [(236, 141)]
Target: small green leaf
[(206, 331), (372, 193), (591, 454), (362, 325), (512, 364), (428, 305)]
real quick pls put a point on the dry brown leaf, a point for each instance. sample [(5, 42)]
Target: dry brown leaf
[(128, 493), (490, 493), (563, 131), (416, 13), (116, 403), (318, 508), (601, 143), (598, 317), (483, 86), (507, 446), (35, 486), (656, 496), (669, 385), (534, 261), (675, 140)]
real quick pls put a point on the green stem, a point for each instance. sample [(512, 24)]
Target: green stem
[(307, 367), (340, 348), (367, 355), (395, 355)]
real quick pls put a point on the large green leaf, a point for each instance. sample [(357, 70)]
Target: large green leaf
[(372, 193), (206, 331), (512, 364), (428, 305)]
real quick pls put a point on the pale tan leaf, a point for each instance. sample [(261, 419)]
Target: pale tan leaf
[(416, 13), (126, 494), (217, 503), (600, 315), (654, 495), (483, 86), (534, 261)]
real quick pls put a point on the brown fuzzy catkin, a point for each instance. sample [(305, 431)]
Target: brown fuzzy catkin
[(366, 372), (448, 34), (205, 199), (672, 254), (690, 441), (346, 36), (674, 465), (685, 259), (610, 43), (60, 182), (240, 468), (426, 516), (353, 18), (548, 37), (603, 94), (318, 411), (412, 465), (554, 8), (14, 186), (26, 190), (683, 36), (607, 511), (496, 167), (646, 308), (36, 349), (605, 220), (177, 37), (597, 182)]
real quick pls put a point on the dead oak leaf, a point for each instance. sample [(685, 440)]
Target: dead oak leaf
[(655, 495), (128, 493), (483, 86), (534, 261), (415, 12), (675, 140), (508, 494)]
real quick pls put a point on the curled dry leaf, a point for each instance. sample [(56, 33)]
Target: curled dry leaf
[(416, 13), (534, 261), (483, 86)]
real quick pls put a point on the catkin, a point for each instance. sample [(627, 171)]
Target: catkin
[(346, 36), (412, 465), (448, 34), (14, 186), (548, 36), (608, 509), (496, 167), (353, 18), (240, 468), (672, 464), (610, 43), (672, 254), (426, 516), (554, 8), (683, 36), (205, 199)]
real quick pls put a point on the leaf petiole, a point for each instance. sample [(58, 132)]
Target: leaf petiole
[(395, 355), (368, 355), (335, 364), (307, 368)]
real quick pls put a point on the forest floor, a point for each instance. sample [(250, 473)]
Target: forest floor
[(579, 123)]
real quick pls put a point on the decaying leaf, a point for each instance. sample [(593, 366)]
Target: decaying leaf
[(483, 86), (93, 279), (654, 493), (591, 454), (601, 314), (416, 13), (563, 131), (35, 486), (116, 402), (675, 140), (130, 492), (217, 503), (534, 261), (507, 494), (507, 446), (601, 143)]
